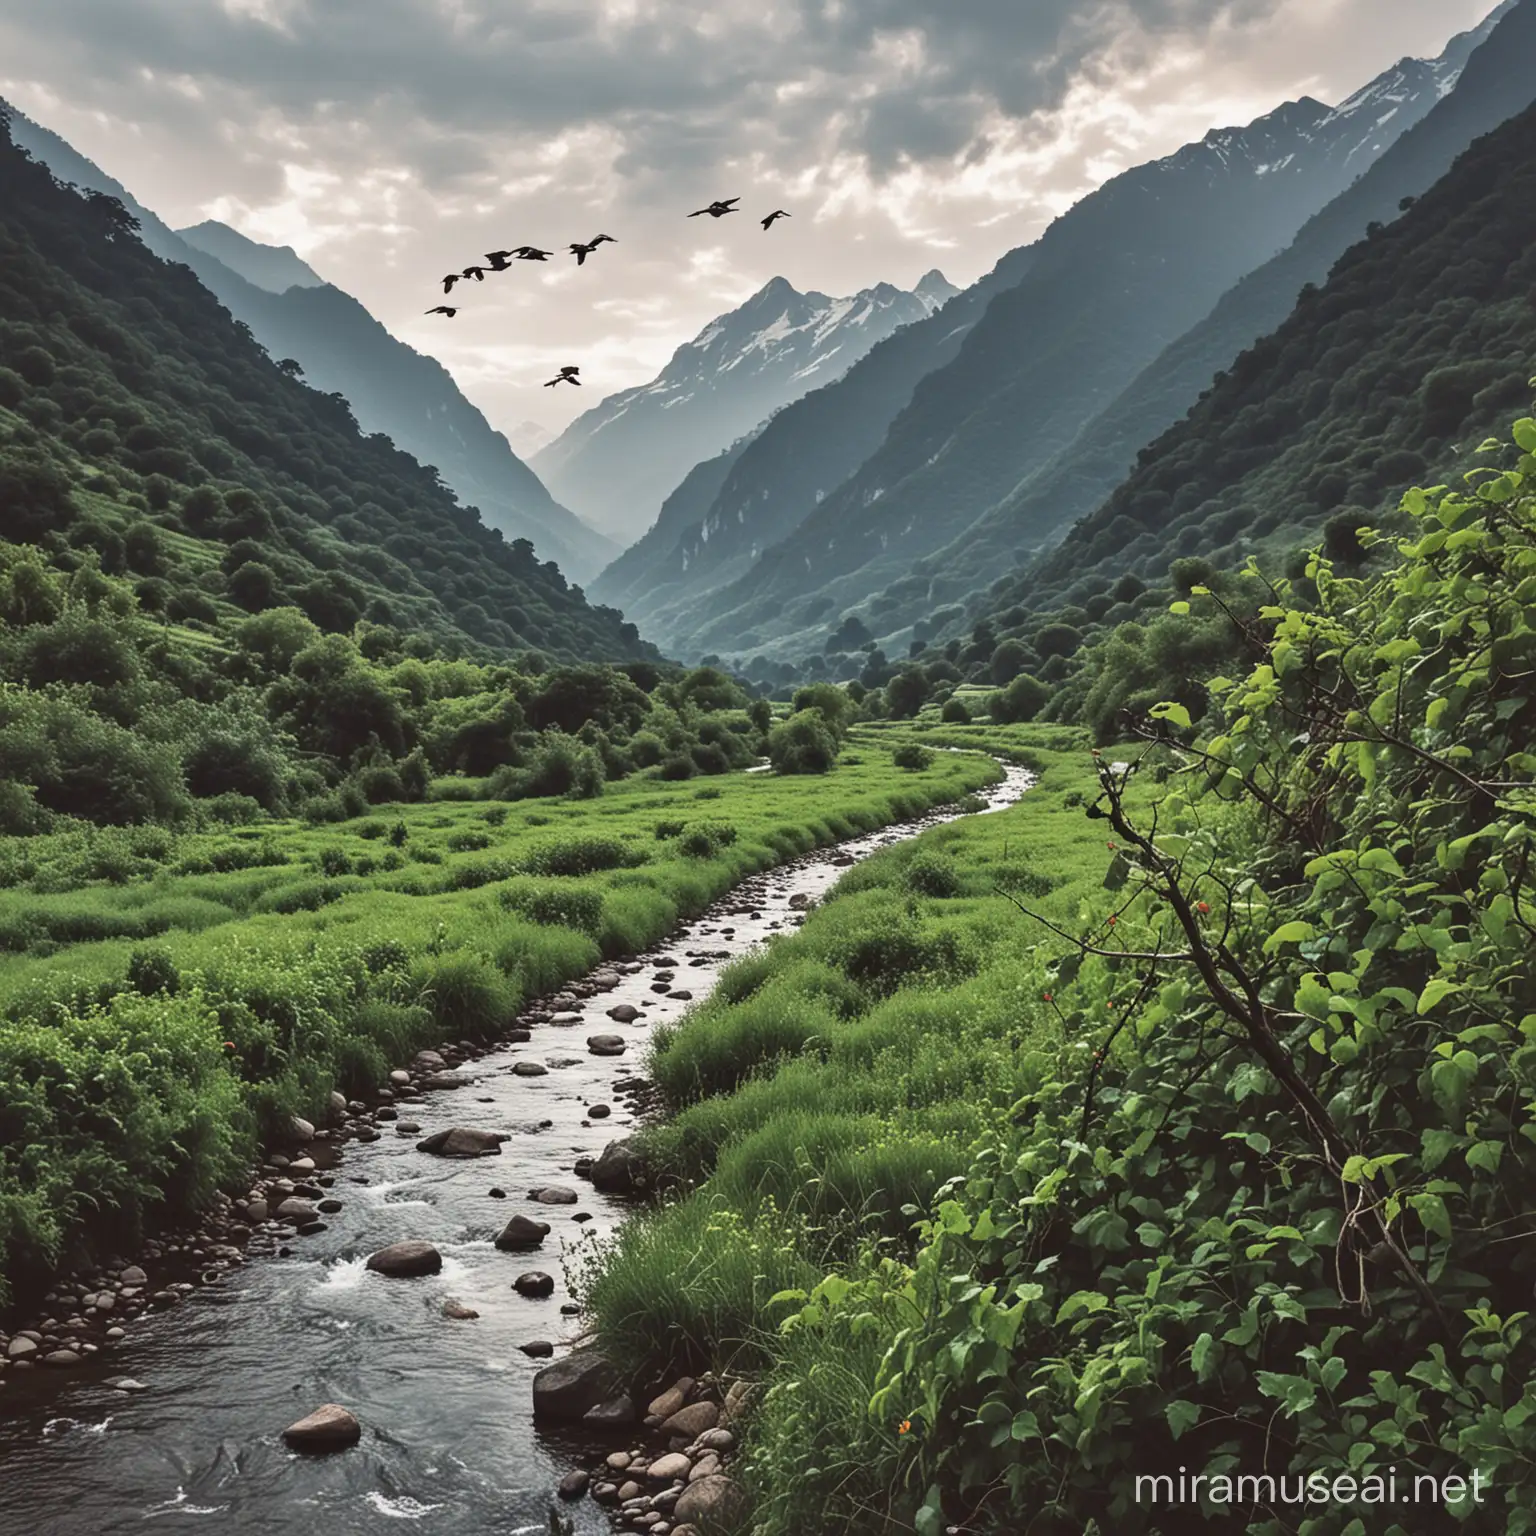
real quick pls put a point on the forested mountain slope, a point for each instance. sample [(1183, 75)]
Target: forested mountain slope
[(1498, 81), (1420, 343), (1115, 280), (392, 388), (137, 400)]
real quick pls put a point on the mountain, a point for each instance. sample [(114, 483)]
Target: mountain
[(802, 452), (1418, 344), (1497, 81), (527, 437), (641, 575), (276, 268), (143, 423), (1111, 283), (393, 389), (617, 462)]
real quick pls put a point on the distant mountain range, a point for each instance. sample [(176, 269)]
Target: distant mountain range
[(391, 388), (617, 462), (1081, 317)]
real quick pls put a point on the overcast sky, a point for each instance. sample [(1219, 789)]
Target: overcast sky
[(391, 140)]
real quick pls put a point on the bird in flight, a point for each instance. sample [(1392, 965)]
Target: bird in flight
[(449, 281), (531, 253), (778, 213), (582, 249), (478, 273), (567, 375), (719, 208), (443, 309), (499, 261)]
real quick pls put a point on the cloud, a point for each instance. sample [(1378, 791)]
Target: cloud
[(392, 140)]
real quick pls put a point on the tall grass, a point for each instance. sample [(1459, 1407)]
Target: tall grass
[(307, 958)]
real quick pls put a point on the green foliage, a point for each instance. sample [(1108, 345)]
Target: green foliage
[(1259, 1179), (1021, 700), (804, 743), (913, 757)]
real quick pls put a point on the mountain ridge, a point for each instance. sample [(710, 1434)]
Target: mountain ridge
[(319, 326), (617, 467)]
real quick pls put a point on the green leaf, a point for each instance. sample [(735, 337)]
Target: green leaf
[(1181, 1415), (1296, 932), (1174, 714), (1203, 1356), (1434, 992)]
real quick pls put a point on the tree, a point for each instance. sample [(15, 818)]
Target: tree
[(906, 693), (1021, 700), (832, 703), (802, 744), (1008, 660)]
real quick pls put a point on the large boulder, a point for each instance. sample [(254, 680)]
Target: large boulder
[(535, 1284), (620, 1170), (607, 1045), (570, 1388), (709, 1501), (406, 1260), (521, 1234), (329, 1428), (462, 1141)]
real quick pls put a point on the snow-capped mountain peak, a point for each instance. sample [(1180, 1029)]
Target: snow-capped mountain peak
[(617, 464)]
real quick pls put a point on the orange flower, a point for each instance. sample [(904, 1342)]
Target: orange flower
[(1113, 919), (1048, 996), (1202, 907), (904, 1427), (1110, 846)]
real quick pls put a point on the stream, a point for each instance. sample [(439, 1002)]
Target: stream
[(446, 1406)]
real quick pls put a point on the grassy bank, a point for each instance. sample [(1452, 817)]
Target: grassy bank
[(836, 1080), (165, 998)]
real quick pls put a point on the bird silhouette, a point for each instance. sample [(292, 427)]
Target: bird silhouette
[(499, 261), (532, 253), (582, 249), (719, 208), (443, 309), (567, 375), (478, 273), (778, 213), (449, 281)]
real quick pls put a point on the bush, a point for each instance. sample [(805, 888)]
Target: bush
[(802, 744), (550, 902), (581, 856), (955, 712), (1020, 701), (929, 874), (704, 839), (912, 757)]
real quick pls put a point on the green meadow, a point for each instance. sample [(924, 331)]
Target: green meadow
[(836, 1080), (166, 997)]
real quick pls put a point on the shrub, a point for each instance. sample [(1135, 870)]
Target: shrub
[(929, 874), (704, 839), (152, 971), (555, 904), (955, 712), (581, 856), (1020, 701), (802, 744), (912, 757)]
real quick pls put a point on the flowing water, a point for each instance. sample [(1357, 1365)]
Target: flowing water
[(446, 1406)]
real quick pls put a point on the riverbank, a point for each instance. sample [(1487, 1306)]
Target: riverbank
[(818, 1105), (291, 961), (445, 1400)]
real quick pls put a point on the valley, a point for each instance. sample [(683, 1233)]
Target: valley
[(914, 920)]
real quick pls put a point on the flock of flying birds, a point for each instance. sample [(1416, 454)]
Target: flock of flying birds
[(501, 261)]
